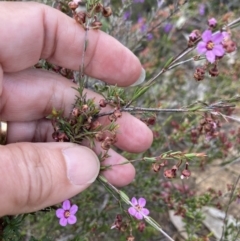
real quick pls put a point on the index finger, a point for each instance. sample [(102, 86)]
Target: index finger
[(31, 31)]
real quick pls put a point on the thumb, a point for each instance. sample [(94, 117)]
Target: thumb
[(37, 175)]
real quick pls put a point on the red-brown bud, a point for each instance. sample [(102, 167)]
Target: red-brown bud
[(170, 173), (186, 173), (55, 135), (199, 73), (62, 137), (72, 5), (156, 167), (80, 17), (95, 125), (130, 238), (75, 112), (106, 12), (96, 25), (84, 108), (214, 71), (151, 121), (103, 103), (117, 113), (141, 226), (100, 136), (112, 117), (230, 46), (106, 144)]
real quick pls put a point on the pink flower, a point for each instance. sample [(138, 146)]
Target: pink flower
[(137, 210), (211, 45), (67, 213)]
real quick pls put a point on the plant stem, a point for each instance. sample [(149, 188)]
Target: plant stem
[(126, 199), (228, 205)]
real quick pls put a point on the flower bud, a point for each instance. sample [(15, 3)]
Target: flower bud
[(170, 173), (95, 125), (199, 73), (80, 17), (84, 108), (96, 25), (214, 71), (99, 136), (130, 238), (186, 173), (117, 113), (156, 167), (72, 5), (98, 8), (107, 11), (106, 144), (112, 117), (103, 103), (212, 22), (229, 46), (141, 226), (75, 112)]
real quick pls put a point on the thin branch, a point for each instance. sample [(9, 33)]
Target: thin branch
[(228, 205)]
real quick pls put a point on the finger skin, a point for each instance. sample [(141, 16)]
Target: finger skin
[(56, 37), (34, 175)]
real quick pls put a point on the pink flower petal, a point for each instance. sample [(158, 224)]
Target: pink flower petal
[(63, 222), (132, 211), (142, 202), (218, 50), (72, 219), (134, 201), (201, 47), (217, 38), (145, 211), (226, 36), (210, 56), (60, 213), (66, 205), (207, 36), (73, 209), (138, 216)]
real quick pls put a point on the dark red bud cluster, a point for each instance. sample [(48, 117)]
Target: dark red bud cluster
[(209, 126), (119, 224), (80, 13)]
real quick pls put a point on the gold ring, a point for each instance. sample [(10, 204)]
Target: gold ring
[(3, 133)]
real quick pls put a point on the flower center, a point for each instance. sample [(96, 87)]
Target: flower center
[(138, 208), (210, 45), (67, 214)]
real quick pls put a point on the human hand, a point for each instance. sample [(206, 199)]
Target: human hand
[(34, 171)]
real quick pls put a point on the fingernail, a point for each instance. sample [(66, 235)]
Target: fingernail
[(82, 165), (141, 78)]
